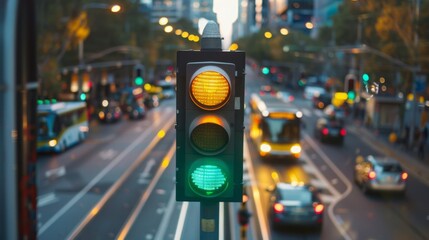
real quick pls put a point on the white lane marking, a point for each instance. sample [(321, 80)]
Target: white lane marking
[(137, 210), (94, 181), (46, 199), (107, 154), (319, 175), (181, 221), (318, 184), (148, 168), (221, 221), (56, 172), (167, 216), (327, 199), (263, 226), (343, 178)]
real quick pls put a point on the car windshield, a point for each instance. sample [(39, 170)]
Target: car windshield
[(391, 168), (297, 195)]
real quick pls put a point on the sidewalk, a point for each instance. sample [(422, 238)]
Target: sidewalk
[(406, 156)]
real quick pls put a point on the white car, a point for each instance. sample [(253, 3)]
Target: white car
[(310, 91)]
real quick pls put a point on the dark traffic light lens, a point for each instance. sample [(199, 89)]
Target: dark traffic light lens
[(209, 138), (209, 135)]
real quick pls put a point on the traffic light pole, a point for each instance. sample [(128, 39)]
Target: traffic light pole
[(209, 211), (209, 220)]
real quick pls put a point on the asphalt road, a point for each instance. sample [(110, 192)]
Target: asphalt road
[(119, 183)]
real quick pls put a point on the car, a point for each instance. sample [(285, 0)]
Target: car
[(320, 101), (380, 174), (335, 112), (267, 90), (151, 101), (285, 96), (295, 205), (168, 89), (109, 112), (312, 90), (330, 129), (136, 110)]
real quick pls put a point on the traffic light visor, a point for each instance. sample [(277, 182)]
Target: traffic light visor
[(210, 88), (208, 177), (209, 134)]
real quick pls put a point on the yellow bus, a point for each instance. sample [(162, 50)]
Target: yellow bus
[(61, 125), (275, 127)]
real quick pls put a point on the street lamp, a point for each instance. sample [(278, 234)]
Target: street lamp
[(114, 9)]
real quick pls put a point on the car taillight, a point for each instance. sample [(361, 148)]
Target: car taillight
[(291, 98), (325, 131), (404, 176), (318, 208), (278, 208), (372, 175), (343, 132), (262, 93)]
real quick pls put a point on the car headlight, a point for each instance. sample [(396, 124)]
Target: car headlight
[(295, 149), (265, 147), (52, 143)]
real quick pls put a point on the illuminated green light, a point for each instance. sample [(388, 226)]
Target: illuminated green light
[(82, 96), (351, 95), (139, 81), (365, 77), (265, 70), (39, 101), (208, 177)]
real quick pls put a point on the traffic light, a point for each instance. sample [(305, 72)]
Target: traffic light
[(209, 128), (365, 78), (350, 88), (138, 80), (265, 70)]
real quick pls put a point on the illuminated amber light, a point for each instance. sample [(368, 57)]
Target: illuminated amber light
[(210, 90)]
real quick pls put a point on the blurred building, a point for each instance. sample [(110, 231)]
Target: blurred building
[(297, 15), (324, 10)]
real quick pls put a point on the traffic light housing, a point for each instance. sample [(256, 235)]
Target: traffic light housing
[(350, 88), (209, 128)]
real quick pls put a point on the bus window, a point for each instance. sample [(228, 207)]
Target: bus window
[(280, 130), (43, 129)]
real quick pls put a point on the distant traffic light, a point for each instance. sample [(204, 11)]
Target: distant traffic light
[(265, 70), (365, 78), (138, 80), (349, 87), (82, 96), (210, 114)]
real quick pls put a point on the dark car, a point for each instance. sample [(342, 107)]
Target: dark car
[(330, 129), (320, 101), (151, 101), (377, 173), (109, 113), (136, 111), (295, 205)]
